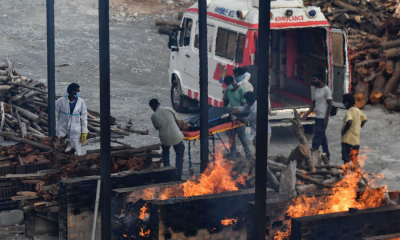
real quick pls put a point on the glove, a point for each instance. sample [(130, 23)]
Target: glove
[(233, 117), (225, 115), (83, 137)]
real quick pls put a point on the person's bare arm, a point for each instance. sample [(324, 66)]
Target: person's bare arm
[(347, 127), (309, 111), (328, 113), (363, 123)]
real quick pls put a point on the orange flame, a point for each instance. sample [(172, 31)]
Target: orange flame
[(217, 179), (227, 221), (148, 193), (144, 234), (144, 211), (344, 195)]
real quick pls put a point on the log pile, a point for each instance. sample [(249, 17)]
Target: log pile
[(67, 165), (374, 47), (166, 26), (301, 172), (23, 109)]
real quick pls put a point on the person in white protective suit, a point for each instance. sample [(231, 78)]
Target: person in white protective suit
[(71, 117)]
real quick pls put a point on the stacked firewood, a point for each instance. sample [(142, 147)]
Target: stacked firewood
[(374, 43), (301, 173), (67, 165), (166, 26), (23, 105)]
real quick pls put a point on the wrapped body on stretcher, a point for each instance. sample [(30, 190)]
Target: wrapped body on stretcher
[(191, 127)]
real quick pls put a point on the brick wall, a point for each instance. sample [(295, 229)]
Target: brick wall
[(79, 226), (348, 226)]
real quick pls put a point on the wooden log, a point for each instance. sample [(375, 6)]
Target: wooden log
[(119, 131), (180, 15), (361, 94), (367, 62), (23, 129), (379, 87), (136, 150), (389, 67), (27, 194), (303, 148), (169, 23), (310, 180), (27, 114), (392, 53), (32, 130), (393, 81), (20, 160), (390, 44), (165, 30), (54, 209), (26, 141), (287, 186), (132, 130), (392, 104), (20, 84), (37, 127), (273, 182), (113, 148)]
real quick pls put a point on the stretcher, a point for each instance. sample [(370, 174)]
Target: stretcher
[(213, 134)]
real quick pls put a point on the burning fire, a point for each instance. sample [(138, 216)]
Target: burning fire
[(227, 221), (148, 193), (144, 211), (344, 196), (217, 179), (144, 234)]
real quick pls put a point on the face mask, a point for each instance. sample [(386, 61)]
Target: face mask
[(77, 94), (230, 87), (239, 79), (344, 106)]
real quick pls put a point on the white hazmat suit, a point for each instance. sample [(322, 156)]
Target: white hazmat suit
[(71, 124)]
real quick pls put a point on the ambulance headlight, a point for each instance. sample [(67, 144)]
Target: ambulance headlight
[(312, 13), (289, 13)]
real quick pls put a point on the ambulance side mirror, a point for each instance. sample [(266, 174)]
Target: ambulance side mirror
[(173, 40)]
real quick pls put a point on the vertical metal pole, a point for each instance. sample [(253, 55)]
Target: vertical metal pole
[(51, 76), (203, 84), (105, 142), (262, 117)]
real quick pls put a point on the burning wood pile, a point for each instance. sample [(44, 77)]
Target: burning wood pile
[(134, 220), (302, 172), (23, 104), (373, 28)]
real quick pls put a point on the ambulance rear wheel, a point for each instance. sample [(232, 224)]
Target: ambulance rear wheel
[(178, 100)]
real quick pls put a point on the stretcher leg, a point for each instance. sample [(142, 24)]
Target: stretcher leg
[(189, 155), (222, 141)]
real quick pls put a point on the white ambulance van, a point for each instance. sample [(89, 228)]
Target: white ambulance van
[(302, 43)]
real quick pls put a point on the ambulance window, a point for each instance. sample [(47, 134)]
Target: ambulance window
[(338, 49), (184, 39), (240, 48), (210, 37), (226, 43)]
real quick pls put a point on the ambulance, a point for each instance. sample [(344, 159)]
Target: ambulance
[(302, 43)]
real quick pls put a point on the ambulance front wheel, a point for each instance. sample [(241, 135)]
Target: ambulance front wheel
[(178, 100)]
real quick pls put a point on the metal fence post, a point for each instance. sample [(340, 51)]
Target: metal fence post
[(51, 79), (203, 84), (262, 117)]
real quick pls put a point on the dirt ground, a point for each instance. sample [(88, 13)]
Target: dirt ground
[(139, 64)]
